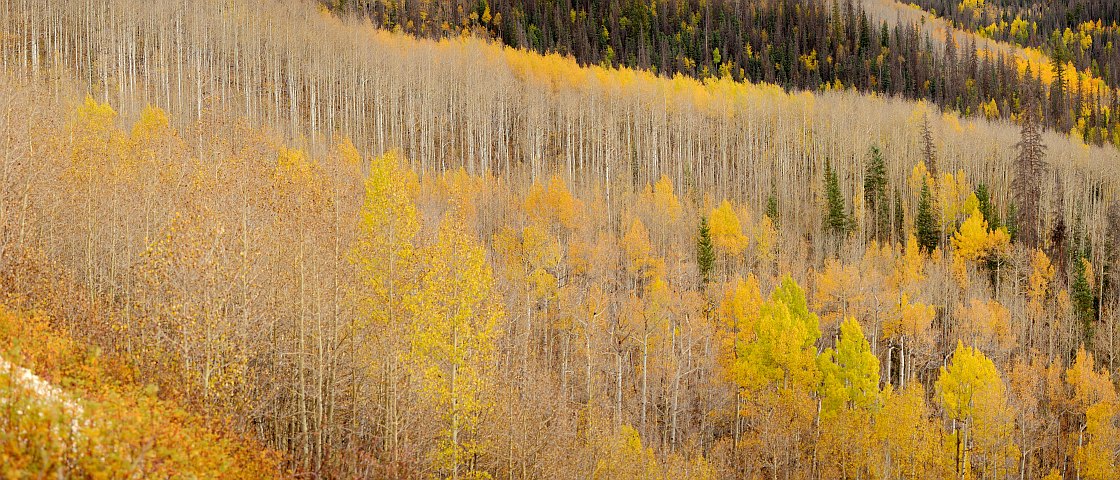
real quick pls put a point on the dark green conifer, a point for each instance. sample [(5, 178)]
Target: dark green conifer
[(705, 255), (836, 219), (929, 234)]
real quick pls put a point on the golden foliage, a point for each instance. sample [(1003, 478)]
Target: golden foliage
[(100, 424)]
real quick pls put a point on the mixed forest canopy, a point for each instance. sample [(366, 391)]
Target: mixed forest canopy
[(1083, 31), (805, 44), (283, 239)]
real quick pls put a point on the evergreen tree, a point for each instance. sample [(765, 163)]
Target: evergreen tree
[(929, 234), (985, 205), (772, 209), (1058, 234), (705, 255), (899, 218), (1083, 300), (1012, 222), (1058, 106), (875, 193), (929, 150), (836, 220)]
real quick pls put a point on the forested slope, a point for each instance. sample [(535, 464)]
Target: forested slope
[(1076, 63), (396, 257), (1081, 30), (76, 413), (880, 46)]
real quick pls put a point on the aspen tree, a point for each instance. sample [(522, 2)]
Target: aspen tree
[(451, 344), (974, 398), (850, 394), (385, 253)]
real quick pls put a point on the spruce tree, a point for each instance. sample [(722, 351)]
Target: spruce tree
[(1012, 222), (836, 220), (772, 209), (985, 206), (929, 150), (929, 234), (875, 192), (1084, 303), (1058, 234), (705, 255), (899, 218)]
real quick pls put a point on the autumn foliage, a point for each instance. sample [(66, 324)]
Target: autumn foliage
[(378, 267)]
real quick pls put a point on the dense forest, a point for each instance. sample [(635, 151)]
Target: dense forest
[(268, 239), (798, 44), (1081, 31)]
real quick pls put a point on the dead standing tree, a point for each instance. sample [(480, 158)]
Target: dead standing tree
[(1030, 165)]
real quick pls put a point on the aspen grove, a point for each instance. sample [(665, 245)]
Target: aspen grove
[(267, 238)]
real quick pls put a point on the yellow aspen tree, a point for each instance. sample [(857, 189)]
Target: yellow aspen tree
[(910, 268), (850, 371), (384, 254), (909, 324), (1038, 291), (765, 241), (948, 200), (737, 314), (640, 261), (987, 325), (158, 156), (907, 435), (95, 148), (536, 203), (665, 201), (157, 150), (665, 215), (623, 457), (300, 190), (542, 255), (839, 293), (1027, 383), (565, 208), (974, 398), (849, 395), (1096, 458), (1093, 395), (649, 299), (975, 242), (554, 205), (920, 176), (778, 372), (451, 344), (727, 233)]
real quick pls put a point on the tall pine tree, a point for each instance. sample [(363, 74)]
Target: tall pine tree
[(929, 234), (875, 193), (705, 255), (836, 220), (984, 203), (1084, 302), (772, 208)]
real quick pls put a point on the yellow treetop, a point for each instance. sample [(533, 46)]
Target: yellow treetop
[(727, 233), (976, 242), (666, 201), (1038, 285)]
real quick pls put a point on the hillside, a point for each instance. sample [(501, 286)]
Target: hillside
[(1092, 26), (88, 419), (880, 46), (1077, 68), (385, 256)]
